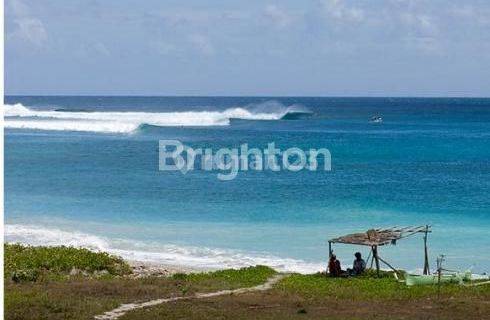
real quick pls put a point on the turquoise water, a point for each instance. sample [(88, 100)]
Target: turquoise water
[(90, 177)]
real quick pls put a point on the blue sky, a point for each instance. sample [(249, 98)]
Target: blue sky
[(312, 48)]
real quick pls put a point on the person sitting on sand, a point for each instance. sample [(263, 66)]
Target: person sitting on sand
[(334, 269), (358, 266)]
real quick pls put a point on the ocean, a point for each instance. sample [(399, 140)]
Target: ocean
[(84, 171)]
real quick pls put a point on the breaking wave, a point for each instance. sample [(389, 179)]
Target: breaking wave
[(18, 116), (188, 256)]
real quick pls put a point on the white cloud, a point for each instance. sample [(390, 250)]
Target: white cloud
[(469, 13), (31, 30), (337, 9), (26, 27), (427, 45), (278, 16), (202, 44), (421, 31), (422, 24), (464, 11), (163, 47), (101, 49)]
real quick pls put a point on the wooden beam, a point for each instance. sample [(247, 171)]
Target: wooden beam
[(389, 265), (372, 258), (376, 258), (426, 253)]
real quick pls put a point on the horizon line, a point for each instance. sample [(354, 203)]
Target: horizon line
[(246, 96)]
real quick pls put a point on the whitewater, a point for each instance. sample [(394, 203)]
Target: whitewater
[(18, 116)]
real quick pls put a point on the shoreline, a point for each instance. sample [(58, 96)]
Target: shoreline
[(179, 259), (166, 256), (147, 269)]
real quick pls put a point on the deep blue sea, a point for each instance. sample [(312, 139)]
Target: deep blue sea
[(84, 171)]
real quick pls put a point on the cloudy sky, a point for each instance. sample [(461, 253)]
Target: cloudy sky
[(227, 47)]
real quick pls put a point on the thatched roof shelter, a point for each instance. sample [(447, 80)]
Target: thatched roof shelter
[(383, 236)]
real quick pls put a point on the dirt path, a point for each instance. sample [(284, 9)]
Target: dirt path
[(124, 308)]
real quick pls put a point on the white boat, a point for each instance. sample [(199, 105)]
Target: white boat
[(376, 119)]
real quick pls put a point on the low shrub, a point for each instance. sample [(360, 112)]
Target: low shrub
[(25, 263)]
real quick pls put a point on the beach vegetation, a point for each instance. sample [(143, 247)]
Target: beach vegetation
[(29, 263)]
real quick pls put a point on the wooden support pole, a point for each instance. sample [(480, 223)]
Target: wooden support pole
[(372, 258), (426, 253), (389, 265), (329, 257), (376, 258), (369, 257)]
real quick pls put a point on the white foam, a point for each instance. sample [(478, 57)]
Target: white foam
[(80, 125), (33, 235), (197, 257), (21, 117)]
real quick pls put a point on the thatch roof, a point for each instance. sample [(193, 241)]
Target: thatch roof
[(379, 237)]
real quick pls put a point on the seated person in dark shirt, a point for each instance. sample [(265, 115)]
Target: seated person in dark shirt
[(334, 269), (358, 266)]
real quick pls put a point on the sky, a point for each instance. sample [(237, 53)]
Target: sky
[(248, 47)]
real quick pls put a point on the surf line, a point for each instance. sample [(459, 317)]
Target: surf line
[(125, 308)]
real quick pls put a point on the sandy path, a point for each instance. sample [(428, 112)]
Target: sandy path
[(124, 308)]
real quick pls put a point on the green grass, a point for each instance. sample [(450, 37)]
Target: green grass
[(245, 277), (27, 263), (371, 288), (84, 297), (319, 297), (38, 284)]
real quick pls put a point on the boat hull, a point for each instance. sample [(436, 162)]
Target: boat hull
[(412, 280)]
